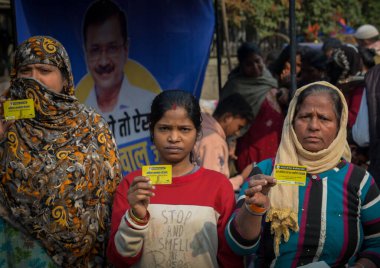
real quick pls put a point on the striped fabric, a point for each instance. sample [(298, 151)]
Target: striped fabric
[(339, 217)]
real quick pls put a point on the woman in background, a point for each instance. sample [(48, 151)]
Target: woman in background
[(255, 83)]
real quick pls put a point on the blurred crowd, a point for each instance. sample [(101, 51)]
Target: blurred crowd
[(265, 84)]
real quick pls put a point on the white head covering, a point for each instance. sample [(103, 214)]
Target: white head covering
[(284, 199), (366, 31)]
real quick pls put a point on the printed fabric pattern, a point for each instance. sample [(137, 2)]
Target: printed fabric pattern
[(59, 170)]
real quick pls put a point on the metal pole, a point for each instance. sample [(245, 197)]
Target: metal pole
[(218, 46), (14, 25), (293, 44), (226, 35)]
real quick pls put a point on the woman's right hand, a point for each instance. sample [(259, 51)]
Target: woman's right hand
[(258, 189), (139, 194)]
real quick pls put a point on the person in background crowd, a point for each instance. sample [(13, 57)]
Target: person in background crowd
[(334, 219), (280, 69), (329, 45), (313, 67), (367, 36), (255, 83), (345, 71), (59, 170), (180, 224), (231, 115), (368, 58), (366, 130), (250, 78)]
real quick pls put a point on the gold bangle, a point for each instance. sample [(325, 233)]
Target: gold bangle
[(137, 219)]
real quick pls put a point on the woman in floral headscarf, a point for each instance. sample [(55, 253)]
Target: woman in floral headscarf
[(59, 170)]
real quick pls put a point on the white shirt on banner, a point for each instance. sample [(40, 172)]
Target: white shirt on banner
[(129, 119)]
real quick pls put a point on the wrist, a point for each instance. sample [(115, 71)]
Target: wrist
[(133, 223), (138, 220), (139, 213), (255, 210)]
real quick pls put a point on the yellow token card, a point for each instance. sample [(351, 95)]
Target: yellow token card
[(19, 109), (290, 174), (158, 174)]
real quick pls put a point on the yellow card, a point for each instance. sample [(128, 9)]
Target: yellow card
[(290, 174), (158, 174), (19, 109)]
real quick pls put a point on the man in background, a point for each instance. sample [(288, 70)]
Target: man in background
[(123, 105), (367, 36)]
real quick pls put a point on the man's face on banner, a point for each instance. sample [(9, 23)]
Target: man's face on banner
[(106, 53)]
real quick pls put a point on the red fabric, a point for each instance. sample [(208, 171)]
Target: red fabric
[(202, 188), (353, 98), (262, 139)]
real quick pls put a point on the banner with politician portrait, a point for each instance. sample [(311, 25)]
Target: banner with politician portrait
[(123, 53)]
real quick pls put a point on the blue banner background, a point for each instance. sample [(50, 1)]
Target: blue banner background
[(170, 38)]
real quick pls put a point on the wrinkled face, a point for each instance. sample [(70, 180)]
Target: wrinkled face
[(252, 66), (316, 124), (174, 136), (47, 74), (106, 54), (233, 125)]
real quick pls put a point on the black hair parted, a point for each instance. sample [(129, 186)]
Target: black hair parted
[(168, 99), (236, 105), (246, 49), (101, 10)]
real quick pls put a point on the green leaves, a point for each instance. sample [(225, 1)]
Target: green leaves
[(269, 16)]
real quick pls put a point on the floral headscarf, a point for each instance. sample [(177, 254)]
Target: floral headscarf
[(45, 50), (59, 170)]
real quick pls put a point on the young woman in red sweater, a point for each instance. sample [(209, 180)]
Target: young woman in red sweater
[(179, 224)]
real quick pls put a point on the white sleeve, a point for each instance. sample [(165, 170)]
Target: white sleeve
[(129, 241), (360, 130)]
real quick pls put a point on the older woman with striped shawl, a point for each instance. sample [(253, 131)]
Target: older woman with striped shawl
[(333, 220)]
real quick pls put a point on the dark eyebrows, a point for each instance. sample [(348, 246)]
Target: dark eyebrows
[(178, 126), (25, 68)]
